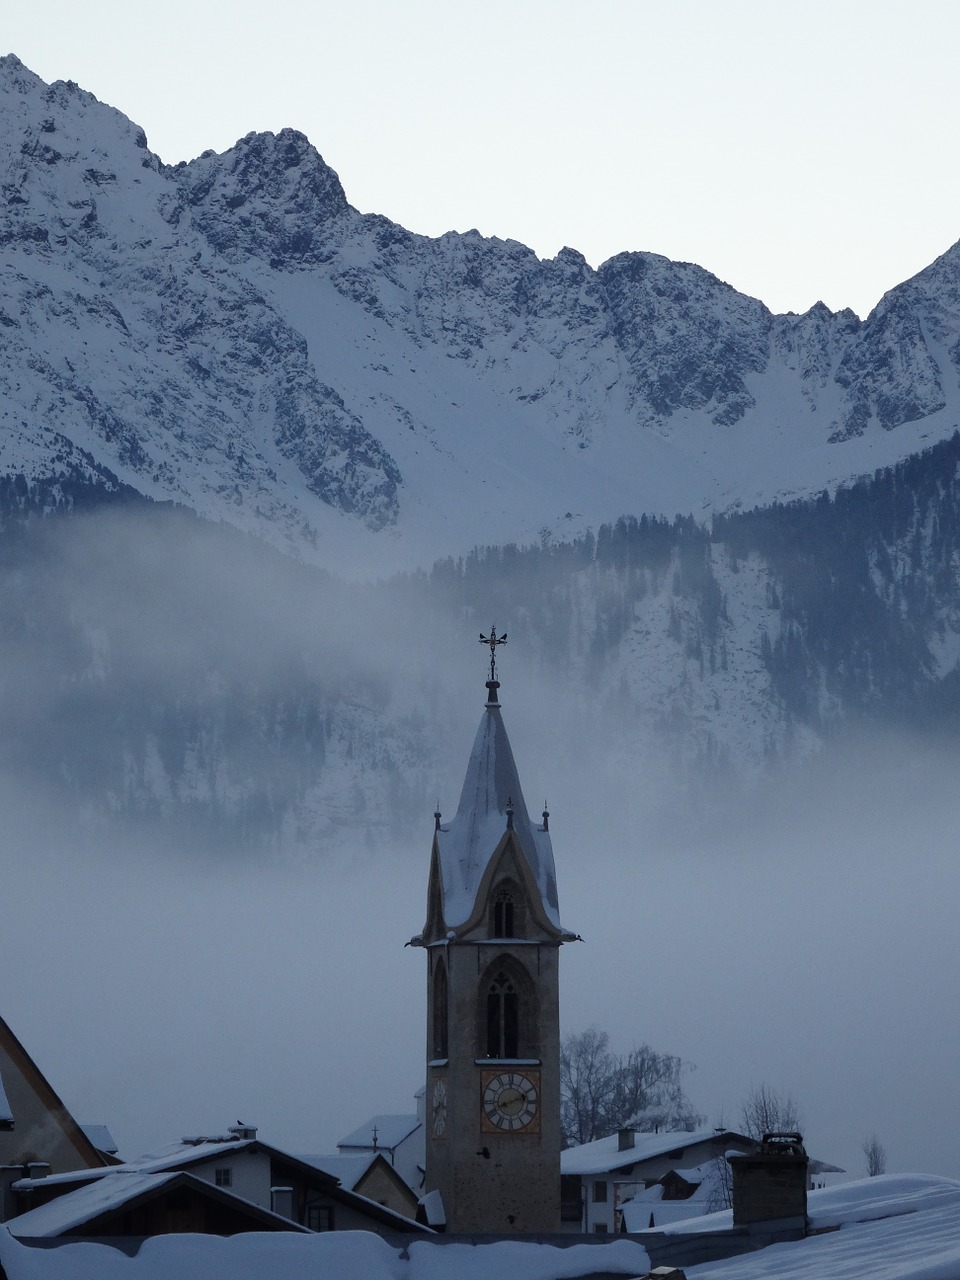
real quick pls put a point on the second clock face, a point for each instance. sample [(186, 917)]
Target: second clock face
[(511, 1101), (439, 1107)]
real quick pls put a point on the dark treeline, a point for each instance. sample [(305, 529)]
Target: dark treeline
[(864, 582)]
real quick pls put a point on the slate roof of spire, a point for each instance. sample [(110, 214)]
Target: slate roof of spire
[(467, 844)]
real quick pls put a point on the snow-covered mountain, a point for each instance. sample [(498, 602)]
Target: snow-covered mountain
[(233, 335), (230, 335)]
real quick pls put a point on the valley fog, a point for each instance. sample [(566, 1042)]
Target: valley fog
[(194, 950)]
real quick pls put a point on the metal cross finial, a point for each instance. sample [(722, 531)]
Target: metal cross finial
[(493, 640)]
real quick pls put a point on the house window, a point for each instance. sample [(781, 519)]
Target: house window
[(223, 1177), (599, 1193), (503, 1018), (319, 1217)]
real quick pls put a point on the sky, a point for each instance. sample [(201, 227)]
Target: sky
[(798, 152)]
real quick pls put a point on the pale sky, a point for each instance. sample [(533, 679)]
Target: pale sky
[(800, 152)]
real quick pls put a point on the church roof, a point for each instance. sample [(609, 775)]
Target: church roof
[(467, 844), (391, 1131)]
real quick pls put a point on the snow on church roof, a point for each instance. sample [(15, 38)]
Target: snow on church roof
[(391, 1131), (468, 842)]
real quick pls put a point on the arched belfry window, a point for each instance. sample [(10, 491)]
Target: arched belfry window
[(440, 1015), (506, 918), (503, 914), (503, 1018), (508, 1020)]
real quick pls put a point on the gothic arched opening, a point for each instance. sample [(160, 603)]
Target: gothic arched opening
[(507, 1012)]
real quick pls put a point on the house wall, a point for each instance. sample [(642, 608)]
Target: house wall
[(250, 1172), (377, 1185), (44, 1129)]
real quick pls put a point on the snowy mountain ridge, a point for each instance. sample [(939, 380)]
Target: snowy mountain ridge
[(233, 335)]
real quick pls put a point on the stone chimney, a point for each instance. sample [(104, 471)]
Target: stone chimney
[(626, 1139), (770, 1185)]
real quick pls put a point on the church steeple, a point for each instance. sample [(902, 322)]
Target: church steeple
[(492, 936), (491, 804)]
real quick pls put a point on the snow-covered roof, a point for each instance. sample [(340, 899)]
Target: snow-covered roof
[(893, 1227), (90, 1200), (391, 1131), (70, 1212), (172, 1156), (648, 1202), (348, 1170), (467, 844), (101, 1137), (603, 1155)]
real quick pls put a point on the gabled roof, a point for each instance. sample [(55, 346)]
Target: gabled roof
[(603, 1154), (105, 1195), (185, 1154), (349, 1169), (177, 1155), (28, 1079), (467, 844)]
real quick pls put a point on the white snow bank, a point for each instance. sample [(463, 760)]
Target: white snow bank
[(346, 1255)]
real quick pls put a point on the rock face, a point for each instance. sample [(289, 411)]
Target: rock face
[(233, 335)]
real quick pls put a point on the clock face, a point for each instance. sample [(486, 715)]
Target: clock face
[(438, 1106), (511, 1101)]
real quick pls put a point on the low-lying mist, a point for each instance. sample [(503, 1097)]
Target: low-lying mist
[(217, 789)]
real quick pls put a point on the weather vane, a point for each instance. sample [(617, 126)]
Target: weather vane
[(493, 640)]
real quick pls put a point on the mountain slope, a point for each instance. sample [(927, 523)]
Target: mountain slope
[(233, 335)]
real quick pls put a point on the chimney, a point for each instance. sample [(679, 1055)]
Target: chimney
[(281, 1201), (770, 1185), (626, 1139), (37, 1169), (10, 1203)]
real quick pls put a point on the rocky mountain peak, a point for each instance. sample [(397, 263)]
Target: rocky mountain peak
[(271, 196)]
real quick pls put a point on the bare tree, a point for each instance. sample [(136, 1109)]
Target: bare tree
[(876, 1154), (601, 1092), (765, 1110)]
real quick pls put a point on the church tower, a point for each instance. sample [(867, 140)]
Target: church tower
[(492, 939)]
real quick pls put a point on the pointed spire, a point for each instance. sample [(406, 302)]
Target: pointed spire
[(546, 817)]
